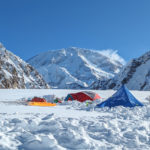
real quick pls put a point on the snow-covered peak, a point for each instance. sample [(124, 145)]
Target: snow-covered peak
[(136, 74), (16, 73), (84, 66), (1, 46), (2, 50)]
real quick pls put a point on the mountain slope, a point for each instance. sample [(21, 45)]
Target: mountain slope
[(16, 73), (75, 67), (136, 75)]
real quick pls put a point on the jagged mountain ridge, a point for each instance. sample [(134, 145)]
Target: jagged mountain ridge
[(76, 67), (16, 73), (136, 75)]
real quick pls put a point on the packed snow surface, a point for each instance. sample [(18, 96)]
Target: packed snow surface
[(72, 125)]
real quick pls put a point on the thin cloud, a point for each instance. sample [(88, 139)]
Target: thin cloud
[(113, 54)]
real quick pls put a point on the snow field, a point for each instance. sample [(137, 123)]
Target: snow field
[(73, 125), (121, 129)]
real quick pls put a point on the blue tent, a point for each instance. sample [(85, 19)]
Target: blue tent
[(121, 98)]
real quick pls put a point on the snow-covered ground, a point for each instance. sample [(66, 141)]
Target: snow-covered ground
[(72, 125)]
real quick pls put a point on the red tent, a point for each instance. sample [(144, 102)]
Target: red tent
[(82, 96), (38, 99)]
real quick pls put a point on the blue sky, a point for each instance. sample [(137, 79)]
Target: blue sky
[(28, 27)]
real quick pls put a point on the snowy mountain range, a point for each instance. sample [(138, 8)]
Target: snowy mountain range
[(136, 75), (76, 67), (16, 73)]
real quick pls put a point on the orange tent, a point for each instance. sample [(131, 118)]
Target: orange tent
[(41, 104)]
